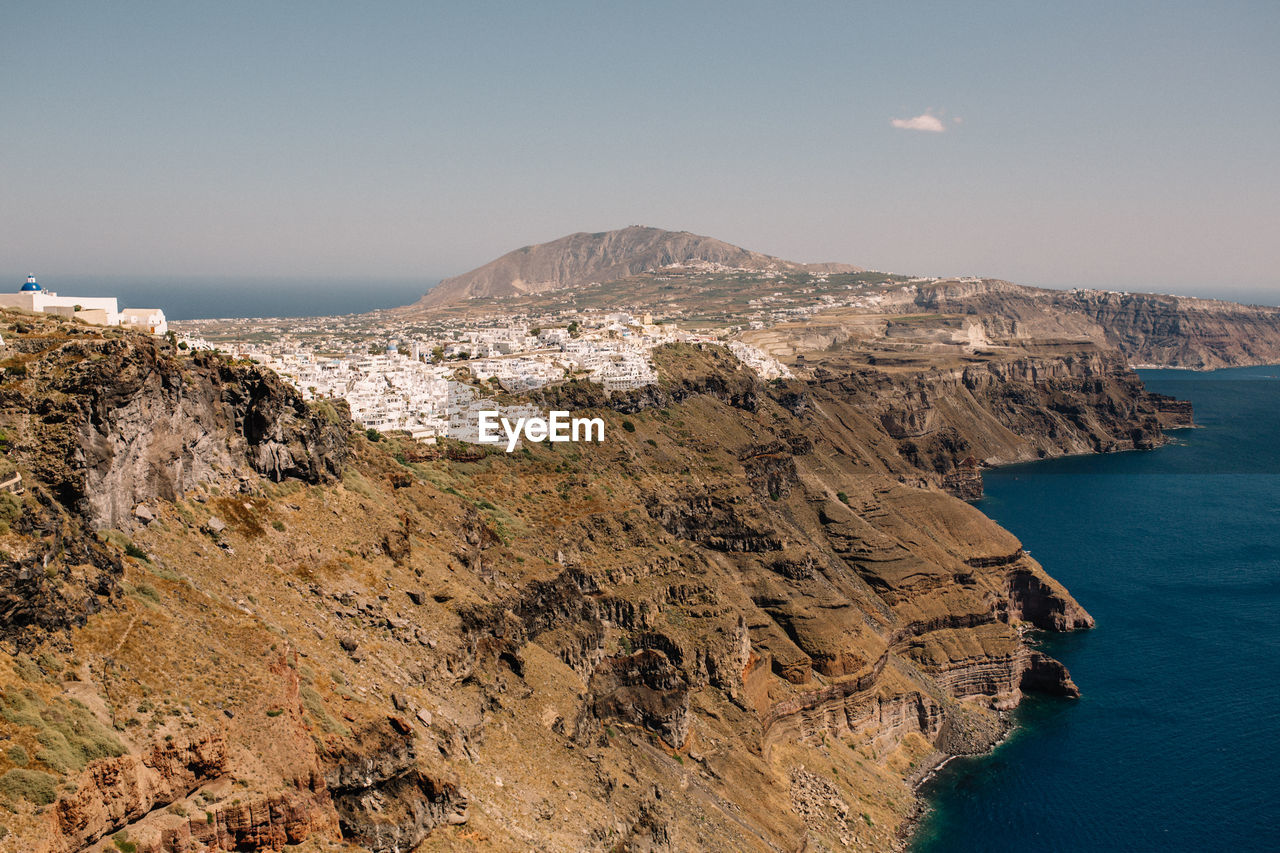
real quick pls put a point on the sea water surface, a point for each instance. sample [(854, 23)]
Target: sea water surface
[(195, 298), (1176, 552)]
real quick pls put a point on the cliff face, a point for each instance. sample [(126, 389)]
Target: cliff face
[(103, 428), (111, 424), (582, 258), (1149, 329), (1025, 406), (739, 624)]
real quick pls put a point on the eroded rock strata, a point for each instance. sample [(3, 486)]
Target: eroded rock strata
[(234, 622)]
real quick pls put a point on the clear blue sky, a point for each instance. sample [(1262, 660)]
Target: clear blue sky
[(1118, 144)]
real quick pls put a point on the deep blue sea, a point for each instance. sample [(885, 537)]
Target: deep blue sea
[(1176, 552), (197, 298)]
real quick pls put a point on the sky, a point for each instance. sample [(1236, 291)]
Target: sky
[(1127, 145)]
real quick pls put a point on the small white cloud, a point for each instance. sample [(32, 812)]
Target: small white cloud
[(926, 121)]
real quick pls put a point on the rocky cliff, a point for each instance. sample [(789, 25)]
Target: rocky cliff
[(1150, 329), (582, 258), (741, 622)]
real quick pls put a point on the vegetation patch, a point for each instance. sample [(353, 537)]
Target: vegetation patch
[(244, 514), (124, 543), (70, 736), (33, 785), (314, 706), (10, 511)]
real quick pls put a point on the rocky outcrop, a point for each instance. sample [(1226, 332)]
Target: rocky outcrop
[(119, 422), (106, 427), (265, 823), (61, 576), (715, 523), (1036, 598), (965, 480), (146, 429), (387, 802), (114, 792), (1173, 413), (645, 690)]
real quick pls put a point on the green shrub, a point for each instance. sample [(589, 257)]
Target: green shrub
[(628, 426), (10, 508), (278, 525), (315, 707), (33, 785), (844, 499), (326, 411), (17, 754), (70, 735)]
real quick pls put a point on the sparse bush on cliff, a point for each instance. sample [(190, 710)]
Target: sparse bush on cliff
[(124, 543), (314, 706), (10, 510), (67, 731), (35, 786), (325, 410), (147, 591)]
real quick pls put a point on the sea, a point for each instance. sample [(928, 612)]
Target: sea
[(1174, 743), (197, 298)]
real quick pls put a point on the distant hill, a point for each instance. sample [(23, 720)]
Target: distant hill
[(583, 258)]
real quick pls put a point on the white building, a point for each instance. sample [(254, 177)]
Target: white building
[(98, 310), (146, 319)]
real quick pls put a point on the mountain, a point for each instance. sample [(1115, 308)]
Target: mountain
[(583, 258)]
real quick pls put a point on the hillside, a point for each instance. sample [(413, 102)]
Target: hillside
[(605, 256), (745, 621)]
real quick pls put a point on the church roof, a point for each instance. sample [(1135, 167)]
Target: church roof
[(31, 285)]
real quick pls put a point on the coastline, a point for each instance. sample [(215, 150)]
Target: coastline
[(926, 799), (931, 766), (937, 761)]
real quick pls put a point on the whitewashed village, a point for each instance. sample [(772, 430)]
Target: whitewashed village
[(435, 387)]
